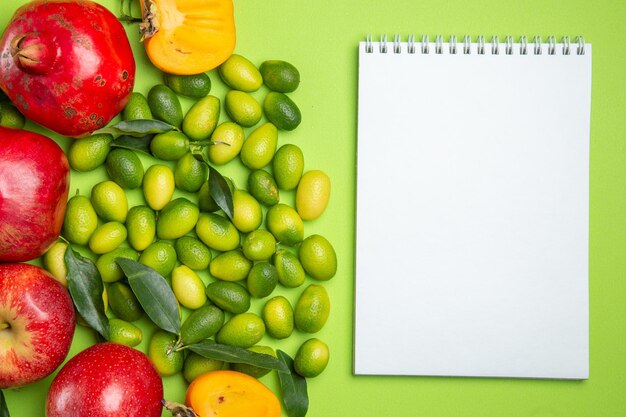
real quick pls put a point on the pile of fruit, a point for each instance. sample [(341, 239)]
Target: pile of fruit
[(166, 236)]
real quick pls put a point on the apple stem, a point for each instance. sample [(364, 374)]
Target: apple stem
[(4, 326)]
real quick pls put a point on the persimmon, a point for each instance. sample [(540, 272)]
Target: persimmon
[(227, 393), (188, 36)]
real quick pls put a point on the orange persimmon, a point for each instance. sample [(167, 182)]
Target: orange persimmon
[(228, 393), (188, 36)]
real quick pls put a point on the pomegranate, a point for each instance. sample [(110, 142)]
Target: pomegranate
[(34, 184), (66, 64)]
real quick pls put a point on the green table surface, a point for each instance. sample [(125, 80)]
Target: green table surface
[(320, 38)]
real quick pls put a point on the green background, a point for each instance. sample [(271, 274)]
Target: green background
[(320, 37)]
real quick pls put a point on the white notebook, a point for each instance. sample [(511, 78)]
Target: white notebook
[(472, 208)]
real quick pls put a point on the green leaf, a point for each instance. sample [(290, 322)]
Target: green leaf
[(137, 127), (153, 293), (4, 409), (86, 288), (233, 354), (141, 144), (293, 386), (219, 191)]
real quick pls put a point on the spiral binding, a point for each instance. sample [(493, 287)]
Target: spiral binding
[(536, 46)]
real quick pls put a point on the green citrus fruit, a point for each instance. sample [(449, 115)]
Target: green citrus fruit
[(290, 271), (164, 105), (89, 153), (10, 116), (227, 140), (201, 324), (159, 256), (242, 108), (196, 365), (282, 111), (230, 266), (80, 221), (312, 194), (262, 279), (240, 74), (229, 296), (259, 148), (169, 146), (125, 168), (242, 330), (136, 108), (158, 186), (280, 76), (163, 354), (109, 270), (318, 257), (110, 202), (259, 245), (288, 165), (188, 287), (177, 218), (190, 174), (311, 358), (278, 317), (194, 85), (312, 309), (54, 262), (247, 212), (124, 332), (217, 232), (285, 224), (263, 187), (107, 237), (123, 302), (141, 226), (192, 253), (201, 118), (254, 371)]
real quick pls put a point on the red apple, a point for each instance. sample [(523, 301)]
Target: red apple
[(106, 380), (34, 183), (36, 324)]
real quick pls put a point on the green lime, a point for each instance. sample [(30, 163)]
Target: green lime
[(285, 224), (164, 105), (80, 220), (288, 165), (192, 253), (158, 186), (123, 302), (278, 317), (141, 226), (136, 108), (190, 174), (54, 262), (227, 140), (240, 74), (159, 256), (125, 168), (177, 218), (110, 202), (201, 324), (311, 358), (290, 271), (262, 279), (206, 202), (89, 153), (217, 232), (124, 332), (247, 212), (229, 296), (259, 245), (163, 354), (196, 365), (188, 287), (263, 187), (281, 110), (194, 85), (280, 76), (252, 370), (201, 118), (242, 108), (169, 146), (107, 237), (11, 117), (259, 148), (242, 330), (230, 266), (109, 270), (312, 309), (318, 257)]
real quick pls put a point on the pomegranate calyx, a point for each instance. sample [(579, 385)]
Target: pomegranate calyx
[(33, 53)]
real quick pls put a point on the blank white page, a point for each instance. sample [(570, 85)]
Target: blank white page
[(472, 213)]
